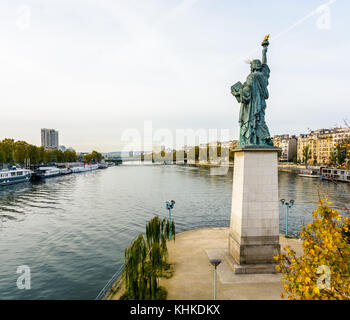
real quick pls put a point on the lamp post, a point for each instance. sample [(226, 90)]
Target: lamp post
[(288, 205), (215, 263), (169, 205)]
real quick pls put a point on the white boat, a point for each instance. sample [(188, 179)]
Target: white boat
[(45, 172), (103, 165), (335, 174), (14, 175), (84, 168), (64, 171), (92, 167), (310, 173)]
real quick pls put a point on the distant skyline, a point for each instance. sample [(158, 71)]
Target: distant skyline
[(94, 69)]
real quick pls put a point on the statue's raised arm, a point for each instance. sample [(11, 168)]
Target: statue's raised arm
[(265, 44)]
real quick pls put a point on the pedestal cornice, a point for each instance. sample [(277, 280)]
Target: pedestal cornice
[(256, 149)]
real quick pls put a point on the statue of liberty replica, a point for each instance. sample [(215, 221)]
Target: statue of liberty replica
[(252, 95), (254, 228)]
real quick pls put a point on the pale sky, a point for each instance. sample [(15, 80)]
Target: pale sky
[(92, 69)]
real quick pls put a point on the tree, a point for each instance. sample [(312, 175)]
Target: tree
[(96, 156), (59, 155), (341, 153), (326, 249), (42, 153), (20, 151), (33, 154), (295, 159), (8, 147), (306, 155), (2, 157), (69, 156), (48, 156), (231, 155), (145, 261), (87, 158), (93, 156)]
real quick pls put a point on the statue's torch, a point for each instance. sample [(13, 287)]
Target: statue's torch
[(265, 42)]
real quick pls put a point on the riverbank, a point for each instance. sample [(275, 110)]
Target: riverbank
[(193, 274), (285, 167), (116, 291), (210, 165), (290, 167)]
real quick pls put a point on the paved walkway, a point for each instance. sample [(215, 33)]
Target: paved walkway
[(194, 275)]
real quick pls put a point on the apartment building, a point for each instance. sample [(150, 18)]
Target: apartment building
[(321, 143), (288, 146)]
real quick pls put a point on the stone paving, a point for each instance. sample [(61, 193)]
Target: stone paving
[(194, 275)]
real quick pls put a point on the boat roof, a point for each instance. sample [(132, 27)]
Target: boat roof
[(16, 169)]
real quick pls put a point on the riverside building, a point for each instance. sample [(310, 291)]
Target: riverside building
[(288, 146), (321, 144)]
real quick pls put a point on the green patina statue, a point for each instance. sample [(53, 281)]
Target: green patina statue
[(252, 95)]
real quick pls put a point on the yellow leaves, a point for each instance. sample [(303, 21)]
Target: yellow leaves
[(316, 290), (324, 244)]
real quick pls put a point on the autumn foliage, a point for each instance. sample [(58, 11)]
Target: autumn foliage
[(323, 272)]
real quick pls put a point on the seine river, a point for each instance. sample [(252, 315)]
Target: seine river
[(72, 230)]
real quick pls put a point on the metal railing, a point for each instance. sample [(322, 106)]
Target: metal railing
[(109, 284)]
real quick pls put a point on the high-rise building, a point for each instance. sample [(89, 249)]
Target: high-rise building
[(49, 138)]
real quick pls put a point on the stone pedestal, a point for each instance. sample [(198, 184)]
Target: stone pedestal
[(254, 228)]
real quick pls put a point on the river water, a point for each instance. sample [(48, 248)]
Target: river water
[(72, 230)]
